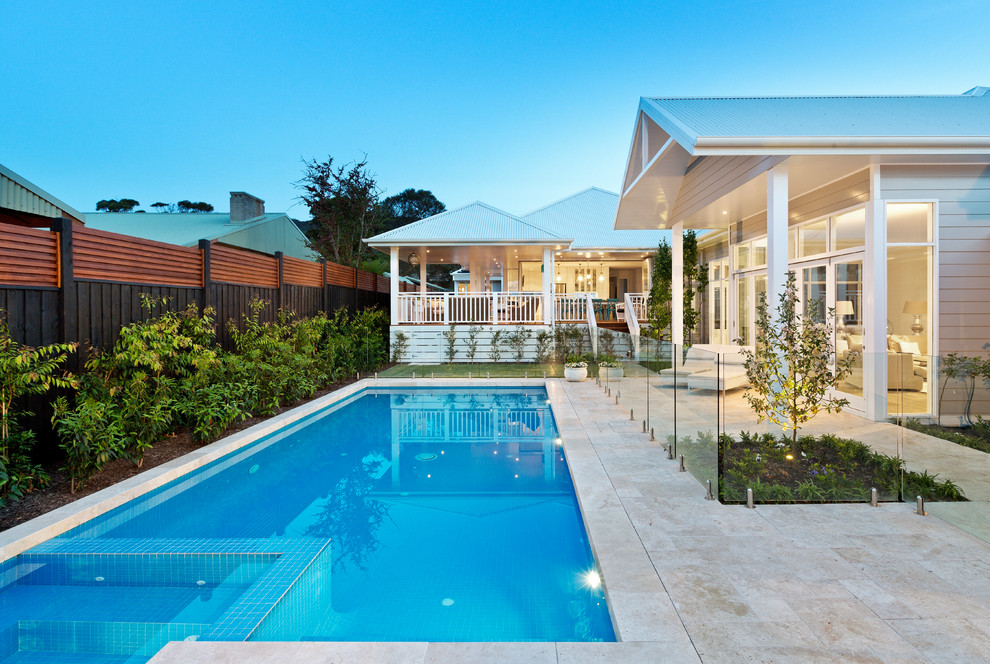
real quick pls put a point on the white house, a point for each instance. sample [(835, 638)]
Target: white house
[(880, 205), (561, 263)]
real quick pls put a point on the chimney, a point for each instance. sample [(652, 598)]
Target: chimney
[(244, 206)]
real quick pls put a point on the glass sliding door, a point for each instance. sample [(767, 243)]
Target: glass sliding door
[(850, 332), (718, 304), (838, 284)]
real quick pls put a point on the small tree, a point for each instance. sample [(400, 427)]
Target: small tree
[(472, 342), (517, 341), (451, 336), (790, 371), (658, 306), (497, 340)]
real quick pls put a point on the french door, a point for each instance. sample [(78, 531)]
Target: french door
[(837, 283)]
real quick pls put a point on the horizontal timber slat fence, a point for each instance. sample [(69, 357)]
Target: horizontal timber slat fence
[(73, 283)]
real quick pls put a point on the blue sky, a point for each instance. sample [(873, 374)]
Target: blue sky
[(513, 103)]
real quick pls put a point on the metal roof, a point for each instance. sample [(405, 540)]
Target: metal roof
[(588, 216), (476, 223), (185, 229), (19, 195), (690, 121)]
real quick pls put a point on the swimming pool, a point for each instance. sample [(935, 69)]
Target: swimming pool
[(393, 515)]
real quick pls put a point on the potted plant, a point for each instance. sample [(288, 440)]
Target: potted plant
[(609, 368), (576, 369)]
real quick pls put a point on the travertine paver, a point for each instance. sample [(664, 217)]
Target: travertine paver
[(690, 580)]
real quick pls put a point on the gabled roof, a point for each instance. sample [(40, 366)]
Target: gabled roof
[(19, 195), (702, 125), (181, 228), (587, 216), (475, 224)]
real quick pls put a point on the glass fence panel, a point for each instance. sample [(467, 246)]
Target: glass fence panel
[(696, 383), (658, 359), (943, 406)]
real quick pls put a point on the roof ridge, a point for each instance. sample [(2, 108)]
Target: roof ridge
[(387, 234), (763, 97), (566, 198)]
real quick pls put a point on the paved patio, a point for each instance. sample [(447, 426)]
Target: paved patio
[(690, 580)]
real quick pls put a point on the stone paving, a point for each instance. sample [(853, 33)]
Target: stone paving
[(689, 580)]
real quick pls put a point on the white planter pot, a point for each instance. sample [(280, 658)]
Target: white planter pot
[(610, 373), (575, 375)]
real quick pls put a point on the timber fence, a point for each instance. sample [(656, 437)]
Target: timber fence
[(73, 283)]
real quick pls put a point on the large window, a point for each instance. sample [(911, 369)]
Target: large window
[(910, 272)]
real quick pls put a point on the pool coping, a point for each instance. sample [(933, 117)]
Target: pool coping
[(632, 586)]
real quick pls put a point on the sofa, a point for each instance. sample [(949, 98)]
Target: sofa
[(907, 365)]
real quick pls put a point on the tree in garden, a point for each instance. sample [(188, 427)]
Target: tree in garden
[(412, 205), (695, 281), (344, 204), (790, 371), (112, 205), (408, 206)]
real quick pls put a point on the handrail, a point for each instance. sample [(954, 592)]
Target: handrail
[(592, 326), (632, 322), (522, 307)]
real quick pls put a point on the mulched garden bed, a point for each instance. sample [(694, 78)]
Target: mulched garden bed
[(826, 469), (57, 494)]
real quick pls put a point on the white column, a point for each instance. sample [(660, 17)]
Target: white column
[(393, 292), (547, 285), (777, 214), (677, 284), (422, 273), (875, 304)]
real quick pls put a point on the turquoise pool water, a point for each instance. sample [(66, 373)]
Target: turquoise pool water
[(396, 515)]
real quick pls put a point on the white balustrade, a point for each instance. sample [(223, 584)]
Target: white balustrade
[(470, 308)]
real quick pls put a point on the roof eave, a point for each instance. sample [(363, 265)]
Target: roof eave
[(812, 145), (371, 242)]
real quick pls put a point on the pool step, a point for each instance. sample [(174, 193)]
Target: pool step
[(85, 641)]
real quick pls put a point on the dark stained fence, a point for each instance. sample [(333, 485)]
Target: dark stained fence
[(74, 283)]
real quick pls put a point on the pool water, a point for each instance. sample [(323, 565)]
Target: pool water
[(395, 515)]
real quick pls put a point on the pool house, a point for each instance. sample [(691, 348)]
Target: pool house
[(562, 263), (879, 205)]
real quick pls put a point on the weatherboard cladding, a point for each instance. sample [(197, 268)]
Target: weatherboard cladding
[(476, 222), (949, 115), (588, 217)]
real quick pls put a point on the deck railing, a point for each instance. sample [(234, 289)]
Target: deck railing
[(571, 308), (484, 308), (636, 302), (470, 308)]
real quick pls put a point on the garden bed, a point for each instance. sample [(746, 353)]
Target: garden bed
[(827, 469), (976, 436), (56, 493)]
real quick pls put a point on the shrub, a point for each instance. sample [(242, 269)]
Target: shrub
[(544, 347), (517, 342), (497, 339), (400, 342), (24, 371)]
